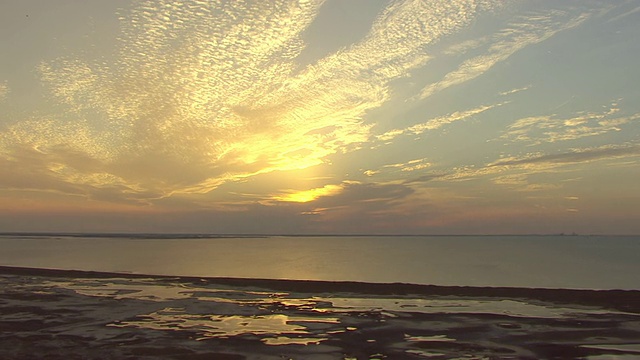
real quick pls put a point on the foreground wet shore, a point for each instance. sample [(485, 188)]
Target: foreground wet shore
[(59, 314)]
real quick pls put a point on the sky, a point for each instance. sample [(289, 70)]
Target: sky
[(320, 117)]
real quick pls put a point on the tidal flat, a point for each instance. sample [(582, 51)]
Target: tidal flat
[(62, 314)]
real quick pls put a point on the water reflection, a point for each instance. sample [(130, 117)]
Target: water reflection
[(520, 261), (196, 316), (283, 318), (224, 326)]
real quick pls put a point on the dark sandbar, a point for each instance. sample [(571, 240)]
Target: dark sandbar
[(63, 314)]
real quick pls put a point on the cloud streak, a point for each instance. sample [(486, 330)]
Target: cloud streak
[(436, 123), (573, 157), (526, 31), (552, 128), (4, 90), (514, 170)]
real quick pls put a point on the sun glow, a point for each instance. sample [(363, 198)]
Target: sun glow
[(310, 195)]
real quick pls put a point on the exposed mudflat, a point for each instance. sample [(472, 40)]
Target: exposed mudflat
[(56, 314)]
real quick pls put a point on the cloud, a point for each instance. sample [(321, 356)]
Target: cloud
[(573, 157), (409, 166), (412, 165), (432, 176), (512, 179), (515, 170), (463, 47), (528, 30), (4, 90), (359, 207), (347, 192), (349, 206), (436, 123), (65, 171), (309, 195), (552, 128), (516, 90), (199, 94), (625, 14)]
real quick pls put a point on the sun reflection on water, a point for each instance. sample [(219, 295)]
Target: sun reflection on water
[(210, 312), (197, 316), (279, 328)]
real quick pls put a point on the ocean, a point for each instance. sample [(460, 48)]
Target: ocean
[(574, 262)]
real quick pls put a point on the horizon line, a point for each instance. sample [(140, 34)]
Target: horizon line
[(247, 235)]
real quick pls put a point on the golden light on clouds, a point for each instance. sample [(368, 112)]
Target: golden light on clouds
[(200, 93), (309, 195), (257, 107)]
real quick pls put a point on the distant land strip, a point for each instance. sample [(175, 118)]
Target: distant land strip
[(142, 235)]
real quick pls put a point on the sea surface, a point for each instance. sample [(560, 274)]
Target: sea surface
[(577, 262)]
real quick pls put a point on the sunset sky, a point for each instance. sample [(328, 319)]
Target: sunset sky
[(320, 117)]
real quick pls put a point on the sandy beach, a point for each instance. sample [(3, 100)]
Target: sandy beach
[(59, 314)]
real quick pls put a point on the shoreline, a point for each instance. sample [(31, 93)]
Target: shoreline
[(624, 300)]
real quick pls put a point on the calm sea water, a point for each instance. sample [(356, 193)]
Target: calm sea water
[(586, 262)]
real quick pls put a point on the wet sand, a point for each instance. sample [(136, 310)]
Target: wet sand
[(57, 314)]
